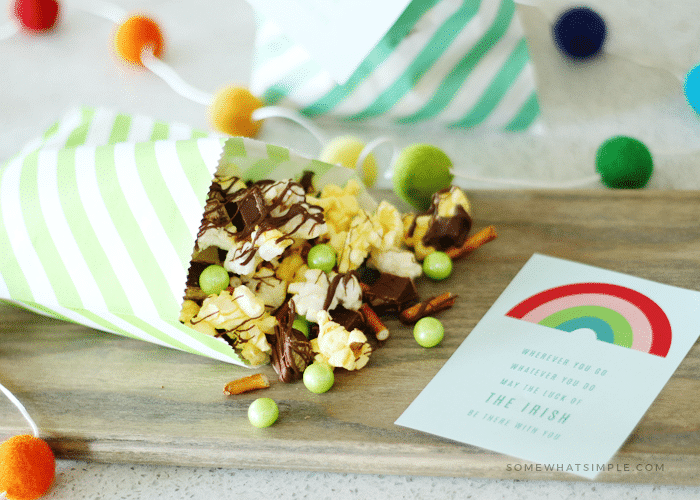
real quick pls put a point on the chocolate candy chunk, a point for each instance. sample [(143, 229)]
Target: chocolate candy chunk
[(391, 294), (348, 318), (448, 232), (247, 211), (195, 270)]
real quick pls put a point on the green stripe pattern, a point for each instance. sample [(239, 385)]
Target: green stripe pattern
[(99, 215), (462, 64)]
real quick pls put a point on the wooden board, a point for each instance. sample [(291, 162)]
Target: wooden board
[(102, 397)]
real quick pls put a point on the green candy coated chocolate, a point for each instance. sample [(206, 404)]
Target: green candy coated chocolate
[(213, 280), (428, 332), (321, 256), (420, 171), (263, 412), (437, 266), (318, 377), (301, 324), (624, 163)]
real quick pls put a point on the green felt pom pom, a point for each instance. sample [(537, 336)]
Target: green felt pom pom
[(624, 163), (419, 172)]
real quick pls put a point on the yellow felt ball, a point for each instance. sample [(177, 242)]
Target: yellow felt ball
[(231, 112), (345, 151), (136, 33), (27, 467)]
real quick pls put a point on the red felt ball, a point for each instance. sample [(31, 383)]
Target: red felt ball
[(27, 467), (36, 15)]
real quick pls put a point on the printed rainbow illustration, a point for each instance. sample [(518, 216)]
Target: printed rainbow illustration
[(617, 315)]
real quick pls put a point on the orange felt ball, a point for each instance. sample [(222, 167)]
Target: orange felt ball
[(27, 467), (231, 112), (134, 34)]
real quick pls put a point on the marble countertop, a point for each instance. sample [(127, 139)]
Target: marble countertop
[(210, 45)]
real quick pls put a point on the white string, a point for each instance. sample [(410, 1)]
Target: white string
[(169, 76), (22, 410), (280, 112), (103, 9), (531, 184), (371, 146), (8, 30)]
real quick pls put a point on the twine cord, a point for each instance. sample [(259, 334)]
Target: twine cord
[(22, 410)]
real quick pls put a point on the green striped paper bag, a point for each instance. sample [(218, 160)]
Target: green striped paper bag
[(98, 219), (459, 63)]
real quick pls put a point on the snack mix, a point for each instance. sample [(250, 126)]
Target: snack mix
[(261, 233)]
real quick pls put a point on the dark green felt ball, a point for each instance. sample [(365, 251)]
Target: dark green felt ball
[(624, 163)]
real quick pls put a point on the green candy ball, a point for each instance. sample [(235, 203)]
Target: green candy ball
[(321, 256), (213, 280), (624, 163), (301, 324), (263, 412), (428, 332), (437, 266), (318, 377), (419, 172)]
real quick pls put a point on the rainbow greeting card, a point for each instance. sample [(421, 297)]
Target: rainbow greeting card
[(562, 367)]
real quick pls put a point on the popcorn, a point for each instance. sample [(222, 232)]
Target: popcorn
[(448, 201), (311, 296), (267, 287), (217, 237), (360, 238), (287, 269), (387, 220), (339, 205), (245, 256), (397, 262), (283, 195), (240, 313), (420, 225), (338, 347)]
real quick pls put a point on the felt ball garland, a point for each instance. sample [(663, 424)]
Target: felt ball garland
[(579, 33)]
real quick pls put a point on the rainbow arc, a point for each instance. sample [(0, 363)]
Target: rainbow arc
[(617, 314)]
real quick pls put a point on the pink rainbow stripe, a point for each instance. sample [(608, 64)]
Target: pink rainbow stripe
[(641, 328)]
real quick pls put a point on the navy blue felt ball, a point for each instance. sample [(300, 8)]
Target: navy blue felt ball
[(579, 33)]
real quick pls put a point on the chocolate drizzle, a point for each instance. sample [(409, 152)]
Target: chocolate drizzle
[(333, 286), (250, 213), (290, 348)]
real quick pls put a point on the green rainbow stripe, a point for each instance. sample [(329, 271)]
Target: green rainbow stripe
[(621, 329)]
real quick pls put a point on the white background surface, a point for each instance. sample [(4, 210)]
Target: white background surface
[(209, 44)]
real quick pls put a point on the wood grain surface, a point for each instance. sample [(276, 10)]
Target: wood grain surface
[(101, 397)]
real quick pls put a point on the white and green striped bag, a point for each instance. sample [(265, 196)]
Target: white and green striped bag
[(98, 219), (460, 63)]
